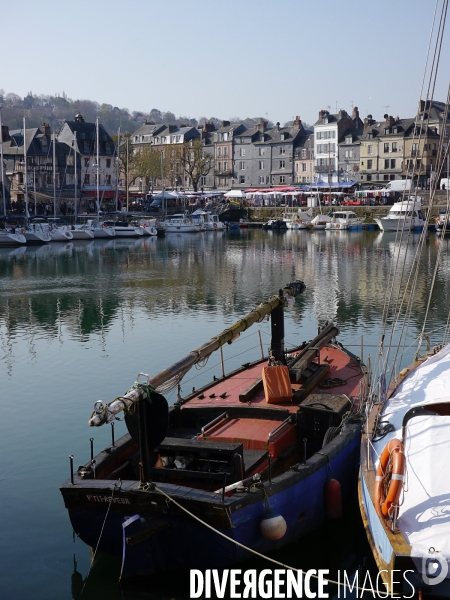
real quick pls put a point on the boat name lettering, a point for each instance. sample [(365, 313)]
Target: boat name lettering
[(107, 499)]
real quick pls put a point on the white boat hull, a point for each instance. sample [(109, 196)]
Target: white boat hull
[(130, 232), (103, 232), (386, 224), (61, 235), (82, 234), (12, 239), (37, 237), (182, 228)]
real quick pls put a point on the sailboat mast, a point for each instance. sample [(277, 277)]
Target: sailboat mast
[(162, 180), (118, 168), (54, 174), (97, 137), (2, 168), (26, 171), (74, 143)]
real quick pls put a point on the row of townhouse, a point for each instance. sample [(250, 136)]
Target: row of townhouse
[(53, 161), (341, 148)]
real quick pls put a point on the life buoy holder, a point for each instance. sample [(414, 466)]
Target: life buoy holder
[(144, 225), (338, 226), (22, 230), (215, 225), (389, 478), (104, 225)]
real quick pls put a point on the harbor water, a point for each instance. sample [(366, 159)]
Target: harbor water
[(79, 321)]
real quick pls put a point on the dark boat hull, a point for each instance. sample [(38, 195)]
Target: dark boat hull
[(170, 539)]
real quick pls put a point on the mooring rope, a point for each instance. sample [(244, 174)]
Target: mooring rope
[(276, 562)]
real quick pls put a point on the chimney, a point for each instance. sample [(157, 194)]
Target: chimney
[(225, 123), (262, 126), (79, 118), (46, 129), (297, 122), (389, 120), (278, 126), (5, 133), (355, 113), (208, 126)]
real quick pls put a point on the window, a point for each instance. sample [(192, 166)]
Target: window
[(282, 150), (392, 163), (219, 166), (261, 165), (386, 163), (242, 152), (282, 164), (219, 151), (282, 136), (386, 147), (225, 151), (220, 136), (394, 130), (394, 146), (108, 163), (86, 162), (303, 167), (369, 177), (304, 153), (225, 166), (267, 179), (261, 179), (108, 179), (386, 177), (164, 140), (242, 165), (261, 151), (225, 137), (20, 178), (349, 154), (370, 149), (369, 164), (282, 179), (202, 181), (348, 139), (87, 178), (242, 179)]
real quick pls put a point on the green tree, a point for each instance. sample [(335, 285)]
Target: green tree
[(146, 163)]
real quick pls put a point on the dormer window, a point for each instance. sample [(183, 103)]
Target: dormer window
[(348, 139), (386, 131), (394, 130), (325, 121), (261, 138), (282, 137)]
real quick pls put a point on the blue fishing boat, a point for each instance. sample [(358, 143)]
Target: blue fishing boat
[(250, 462)]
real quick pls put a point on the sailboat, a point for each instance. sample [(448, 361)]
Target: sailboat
[(34, 232), (250, 462), (404, 486)]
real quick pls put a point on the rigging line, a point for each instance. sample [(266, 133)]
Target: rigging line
[(393, 270), (433, 75)]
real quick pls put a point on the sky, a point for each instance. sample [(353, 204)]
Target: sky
[(224, 59)]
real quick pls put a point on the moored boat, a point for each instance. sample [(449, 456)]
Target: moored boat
[(344, 219), (124, 229), (210, 221), (297, 220), (181, 223), (319, 222), (9, 238), (248, 456), (405, 215)]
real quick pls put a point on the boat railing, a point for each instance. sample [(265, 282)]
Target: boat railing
[(213, 422), (278, 428)]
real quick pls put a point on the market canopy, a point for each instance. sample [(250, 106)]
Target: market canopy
[(235, 194), (165, 195)]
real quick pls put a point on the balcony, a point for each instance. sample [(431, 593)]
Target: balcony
[(222, 173), (324, 168)]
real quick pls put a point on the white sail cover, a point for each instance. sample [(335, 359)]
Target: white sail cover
[(424, 517)]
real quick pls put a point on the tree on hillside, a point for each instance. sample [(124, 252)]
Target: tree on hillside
[(195, 162)]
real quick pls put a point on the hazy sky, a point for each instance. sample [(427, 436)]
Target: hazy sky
[(246, 58)]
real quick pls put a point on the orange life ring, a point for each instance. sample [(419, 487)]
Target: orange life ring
[(144, 225), (337, 226), (215, 225), (104, 225), (384, 500)]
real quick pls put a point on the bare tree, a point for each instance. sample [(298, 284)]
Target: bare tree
[(196, 163)]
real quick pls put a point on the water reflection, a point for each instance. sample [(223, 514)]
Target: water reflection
[(86, 284)]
